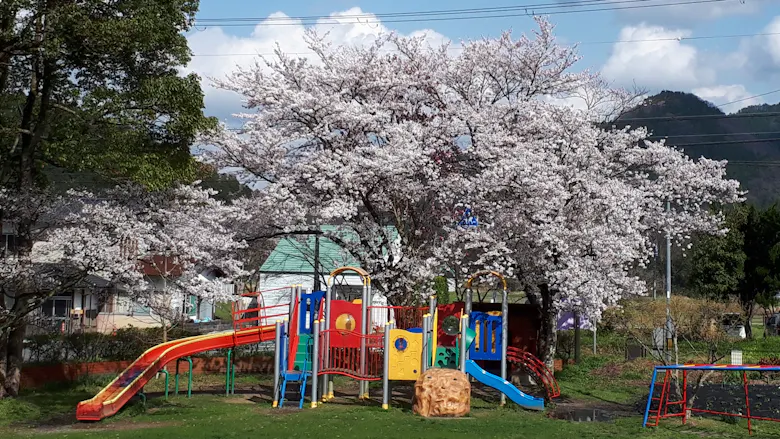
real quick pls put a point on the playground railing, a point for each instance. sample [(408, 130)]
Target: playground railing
[(260, 315), (340, 355), (405, 317)]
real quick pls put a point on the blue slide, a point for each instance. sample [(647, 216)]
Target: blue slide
[(525, 401)]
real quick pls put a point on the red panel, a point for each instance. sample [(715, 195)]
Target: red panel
[(344, 338), (453, 309)]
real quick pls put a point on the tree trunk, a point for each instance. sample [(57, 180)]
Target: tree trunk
[(164, 331), (3, 362), (548, 330), (748, 309), (15, 358)]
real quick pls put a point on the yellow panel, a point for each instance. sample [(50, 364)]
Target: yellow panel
[(493, 313), (405, 355)]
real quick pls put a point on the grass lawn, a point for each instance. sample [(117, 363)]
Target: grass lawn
[(597, 383), (604, 382)]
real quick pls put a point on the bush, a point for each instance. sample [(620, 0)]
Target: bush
[(694, 319), (124, 344)]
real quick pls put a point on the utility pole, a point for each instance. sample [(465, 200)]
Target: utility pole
[(317, 285), (577, 338), (668, 333), (655, 270)]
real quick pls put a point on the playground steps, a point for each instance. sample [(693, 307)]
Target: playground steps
[(303, 353)]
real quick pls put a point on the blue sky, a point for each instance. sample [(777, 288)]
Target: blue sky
[(718, 69)]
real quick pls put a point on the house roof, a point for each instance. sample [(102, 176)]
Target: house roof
[(295, 255)]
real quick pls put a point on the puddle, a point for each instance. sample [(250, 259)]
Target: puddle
[(583, 415)]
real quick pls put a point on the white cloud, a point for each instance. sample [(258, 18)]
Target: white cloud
[(682, 14), (760, 55), (236, 51), (722, 94), (659, 60)]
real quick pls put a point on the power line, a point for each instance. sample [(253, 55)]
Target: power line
[(727, 142), (700, 117), (754, 133), (584, 43), (368, 15), (749, 98), (371, 20)]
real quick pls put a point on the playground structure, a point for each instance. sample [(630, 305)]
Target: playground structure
[(317, 336), (324, 337), (658, 408)]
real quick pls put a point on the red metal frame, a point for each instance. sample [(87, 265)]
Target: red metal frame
[(662, 411), (526, 359), (263, 318), (405, 317), (346, 360)]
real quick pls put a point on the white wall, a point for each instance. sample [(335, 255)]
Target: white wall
[(276, 290)]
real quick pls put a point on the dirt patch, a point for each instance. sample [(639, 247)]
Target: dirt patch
[(114, 426), (250, 400), (611, 408)]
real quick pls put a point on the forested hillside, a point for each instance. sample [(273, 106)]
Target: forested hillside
[(749, 142)]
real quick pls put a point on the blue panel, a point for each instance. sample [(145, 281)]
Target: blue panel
[(487, 346), (310, 306)]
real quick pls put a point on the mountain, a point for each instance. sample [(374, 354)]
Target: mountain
[(703, 128)]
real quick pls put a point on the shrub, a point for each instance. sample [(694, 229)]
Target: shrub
[(124, 344)]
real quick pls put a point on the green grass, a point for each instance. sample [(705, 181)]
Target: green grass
[(220, 417), (223, 311), (601, 381)]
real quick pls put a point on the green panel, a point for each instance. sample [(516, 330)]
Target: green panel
[(303, 354), (446, 357)]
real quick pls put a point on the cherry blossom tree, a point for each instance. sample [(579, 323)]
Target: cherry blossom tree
[(109, 235), (190, 232), (390, 138)]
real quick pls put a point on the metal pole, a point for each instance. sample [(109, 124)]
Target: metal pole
[(315, 361), (504, 336), (425, 346), (464, 325), (468, 301), (363, 388), (277, 358), (577, 338), (668, 331), (367, 323), (326, 383), (386, 370), (432, 304), (227, 372), (317, 285), (655, 271)]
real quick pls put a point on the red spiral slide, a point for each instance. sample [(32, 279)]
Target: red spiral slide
[(525, 359), (115, 395)]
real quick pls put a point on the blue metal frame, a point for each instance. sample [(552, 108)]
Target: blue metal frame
[(309, 306), (489, 326), (296, 376)]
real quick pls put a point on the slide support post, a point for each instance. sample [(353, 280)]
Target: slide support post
[(277, 359), (315, 361), (504, 337), (464, 326), (386, 370)]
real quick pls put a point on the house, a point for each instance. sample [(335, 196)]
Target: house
[(293, 262)]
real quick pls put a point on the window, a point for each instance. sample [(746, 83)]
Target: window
[(8, 243), (56, 307)]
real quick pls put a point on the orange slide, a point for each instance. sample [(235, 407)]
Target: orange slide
[(115, 395)]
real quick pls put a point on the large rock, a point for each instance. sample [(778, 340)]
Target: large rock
[(442, 392)]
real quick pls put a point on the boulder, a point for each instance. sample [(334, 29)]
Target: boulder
[(442, 392)]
